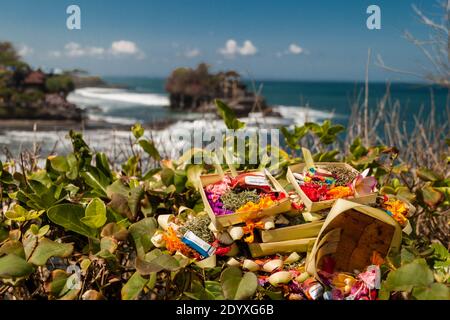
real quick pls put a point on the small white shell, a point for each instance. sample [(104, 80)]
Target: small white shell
[(209, 262), (302, 277), (293, 257), (236, 233), (232, 262), (164, 220), (269, 223), (250, 265), (224, 238), (158, 240), (280, 277), (273, 265)]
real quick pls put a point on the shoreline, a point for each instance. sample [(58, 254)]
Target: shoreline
[(65, 125)]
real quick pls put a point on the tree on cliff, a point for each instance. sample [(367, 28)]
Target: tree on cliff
[(189, 88), (9, 56)]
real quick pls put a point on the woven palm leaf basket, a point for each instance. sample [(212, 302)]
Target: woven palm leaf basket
[(351, 233)]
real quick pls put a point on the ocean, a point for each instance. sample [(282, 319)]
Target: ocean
[(138, 99)]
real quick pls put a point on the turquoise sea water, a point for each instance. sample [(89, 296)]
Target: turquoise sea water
[(333, 98), (145, 100)]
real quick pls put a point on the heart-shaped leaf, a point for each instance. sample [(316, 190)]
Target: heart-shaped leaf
[(236, 286), (427, 174), (157, 264), (435, 291), (95, 214), (431, 196), (415, 274), (69, 216), (142, 233), (47, 249), (59, 163), (12, 266)]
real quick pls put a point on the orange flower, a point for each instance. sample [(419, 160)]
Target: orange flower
[(339, 192), (174, 244), (398, 210), (264, 203), (249, 228)]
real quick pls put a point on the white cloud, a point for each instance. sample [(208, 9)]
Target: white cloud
[(75, 50), (295, 49), (232, 49), (248, 49), (124, 47), (192, 53), (117, 48), (25, 50)]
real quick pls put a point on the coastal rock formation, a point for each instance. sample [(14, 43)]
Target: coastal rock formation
[(195, 90), (33, 94)]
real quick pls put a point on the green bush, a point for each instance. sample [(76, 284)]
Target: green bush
[(59, 84)]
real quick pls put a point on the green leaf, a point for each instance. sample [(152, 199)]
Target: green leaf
[(12, 266), (59, 278), (314, 127), (440, 252), (179, 180), (72, 161), (157, 264), (228, 116), (95, 214), (59, 163), (69, 216), (47, 249), (334, 130), (117, 187), (72, 287), (406, 256), (93, 182), (193, 174), (405, 278), (108, 244), (431, 196), (134, 200), (12, 247), (137, 130), (133, 287), (18, 213), (435, 291), (167, 176), (150, 148), (238, 287), (142, 233), (102, 163), (427, 174)]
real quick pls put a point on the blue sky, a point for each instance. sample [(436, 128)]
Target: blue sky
[(303, 39)]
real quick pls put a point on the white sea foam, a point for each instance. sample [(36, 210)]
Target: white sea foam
[(113, 119), (97, 96), (107, 99)]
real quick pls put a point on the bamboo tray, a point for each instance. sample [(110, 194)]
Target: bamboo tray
[(220, 222), (351, 233), (267, 249), (320, 205), (305, 230)]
